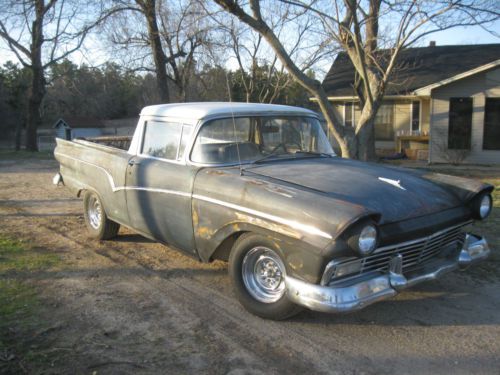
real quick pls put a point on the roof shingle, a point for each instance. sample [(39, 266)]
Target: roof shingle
[(415, 68)]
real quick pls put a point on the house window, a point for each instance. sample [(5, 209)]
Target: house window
[(415, 116), (349, 114), (491, 138), (460, 124), (384, 123)]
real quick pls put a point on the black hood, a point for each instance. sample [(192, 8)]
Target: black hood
[(395, 193)]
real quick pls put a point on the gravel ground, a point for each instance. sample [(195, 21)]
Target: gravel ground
[(133, 306)]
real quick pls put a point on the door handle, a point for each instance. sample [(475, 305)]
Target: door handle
[(133, 162)]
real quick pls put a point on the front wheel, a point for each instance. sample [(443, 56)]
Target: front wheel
[(97, 221), (258, 275)]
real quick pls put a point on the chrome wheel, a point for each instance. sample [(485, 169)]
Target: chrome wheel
[(263, 274), (94, 212)]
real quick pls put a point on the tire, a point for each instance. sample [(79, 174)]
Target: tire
[(96, 220), (258, 276)]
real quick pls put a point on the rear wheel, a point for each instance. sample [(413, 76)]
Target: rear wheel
[(258, 275), (97, 222)]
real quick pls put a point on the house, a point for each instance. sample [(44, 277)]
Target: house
[(123, 126), (71, 127), (442, 103)]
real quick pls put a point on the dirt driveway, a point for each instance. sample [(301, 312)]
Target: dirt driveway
[(133, 306)]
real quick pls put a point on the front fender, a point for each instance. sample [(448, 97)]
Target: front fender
[(302, 260), (304, 224)]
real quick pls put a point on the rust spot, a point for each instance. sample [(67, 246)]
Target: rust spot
[(216, 172), (295, 262), (257, 182), (204, 232), (195, 218)]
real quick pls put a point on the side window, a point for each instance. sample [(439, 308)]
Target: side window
[(161, 139)]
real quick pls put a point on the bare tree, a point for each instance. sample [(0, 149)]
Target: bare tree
[(174, 33), (260, 74), (356, 27), (41, 33), (148, 9)]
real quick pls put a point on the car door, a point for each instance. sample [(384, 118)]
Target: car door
[(159, 185)]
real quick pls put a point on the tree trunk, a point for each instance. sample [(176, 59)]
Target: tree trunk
[(160, 60), (365, 133), (344, 136), (34, 118), (19, 129), (37, 90)]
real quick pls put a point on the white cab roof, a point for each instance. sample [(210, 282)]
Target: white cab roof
[(204, 110)]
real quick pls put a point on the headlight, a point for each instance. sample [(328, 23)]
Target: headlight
[(367, 240), (481, 206), (485, 206), (362, 237)]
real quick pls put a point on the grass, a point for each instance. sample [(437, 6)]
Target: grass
[(19, 304), (16, 255), (6, 154)]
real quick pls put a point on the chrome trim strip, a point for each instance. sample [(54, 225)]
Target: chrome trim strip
[(292, 224), (164, 191)]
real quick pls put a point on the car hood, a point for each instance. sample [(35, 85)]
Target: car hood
[(395, 193)]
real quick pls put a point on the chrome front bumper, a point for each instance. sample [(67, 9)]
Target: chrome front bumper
[(366, 292)]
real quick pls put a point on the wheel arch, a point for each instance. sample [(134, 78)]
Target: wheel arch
[(219, 245), (301, 259)]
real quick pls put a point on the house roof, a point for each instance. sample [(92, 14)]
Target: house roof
[(75, 122), (416, 67), (204, 110)]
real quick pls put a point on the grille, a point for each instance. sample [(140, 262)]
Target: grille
[(415, 254)]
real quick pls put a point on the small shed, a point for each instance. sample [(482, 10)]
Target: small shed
[(70, 127)]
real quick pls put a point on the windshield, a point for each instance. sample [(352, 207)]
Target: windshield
[(249, 139)]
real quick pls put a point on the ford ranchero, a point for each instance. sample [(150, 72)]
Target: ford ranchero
[(259, 186)]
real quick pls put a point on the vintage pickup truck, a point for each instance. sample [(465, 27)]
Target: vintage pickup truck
[(260, 187)]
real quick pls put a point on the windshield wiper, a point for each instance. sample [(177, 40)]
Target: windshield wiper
[(268, 157), (314, 153)]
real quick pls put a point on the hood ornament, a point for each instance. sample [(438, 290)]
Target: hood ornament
[(395, 183)]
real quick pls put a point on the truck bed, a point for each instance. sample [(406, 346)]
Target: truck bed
[(96, 165), (117, 141)]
